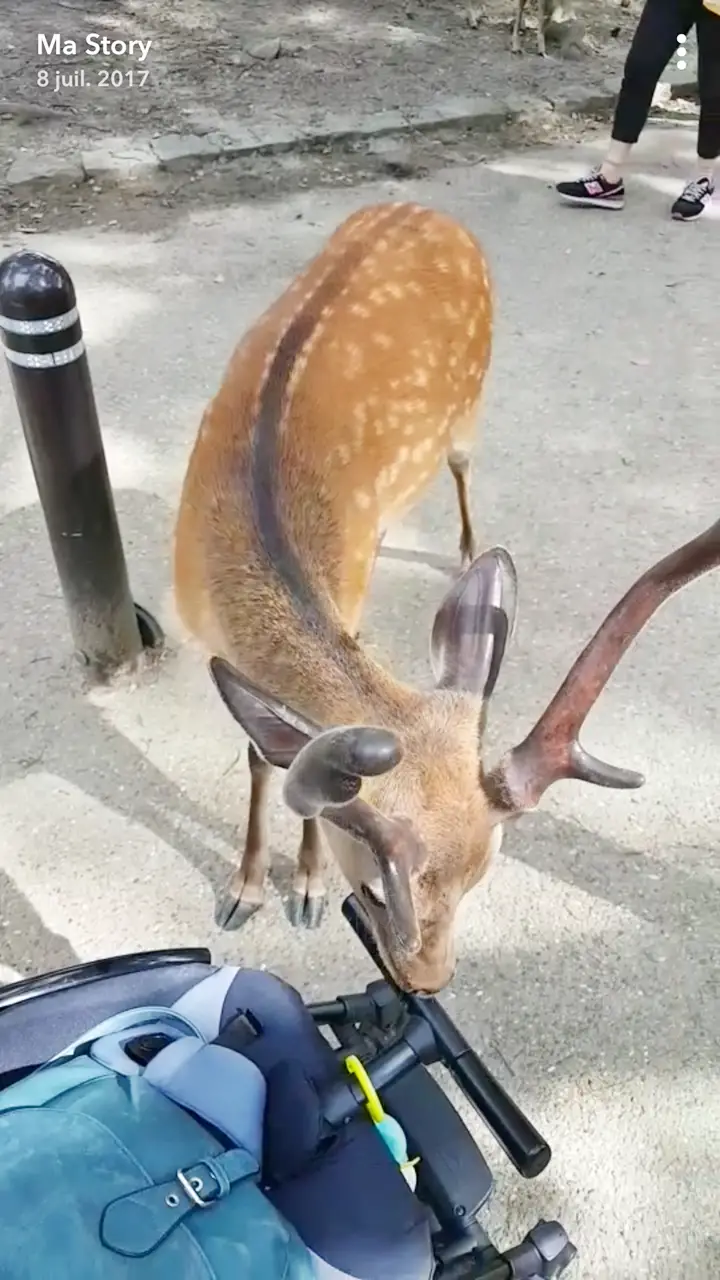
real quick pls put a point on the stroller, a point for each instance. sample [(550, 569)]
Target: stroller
[(358, 1212)]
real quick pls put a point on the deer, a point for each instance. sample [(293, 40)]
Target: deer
[(545, 10), (335, 411)]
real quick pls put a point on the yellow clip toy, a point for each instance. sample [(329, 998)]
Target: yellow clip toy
[(390, 1131)]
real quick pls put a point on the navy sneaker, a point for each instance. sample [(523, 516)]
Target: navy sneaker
[(693, 201), (593, 190)]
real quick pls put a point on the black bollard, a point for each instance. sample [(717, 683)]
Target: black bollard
[(50, 375)]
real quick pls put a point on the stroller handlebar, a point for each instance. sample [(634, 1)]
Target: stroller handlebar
[(524, 1146)]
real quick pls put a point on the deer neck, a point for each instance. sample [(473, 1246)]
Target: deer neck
[(324, 675)]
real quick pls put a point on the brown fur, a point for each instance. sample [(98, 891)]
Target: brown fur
[(384, 384), (272, 559)]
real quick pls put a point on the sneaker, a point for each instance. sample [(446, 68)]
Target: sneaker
[(694, 199), (593, 190)]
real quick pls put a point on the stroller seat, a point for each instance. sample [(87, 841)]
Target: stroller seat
[(348, 1200)]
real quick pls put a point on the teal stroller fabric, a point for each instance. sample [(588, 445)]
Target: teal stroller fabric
[(104, 1177)]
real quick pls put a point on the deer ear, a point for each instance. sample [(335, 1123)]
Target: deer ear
[(474, 623), (277, 731)]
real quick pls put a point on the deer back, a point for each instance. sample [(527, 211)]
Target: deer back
[(335, 411)]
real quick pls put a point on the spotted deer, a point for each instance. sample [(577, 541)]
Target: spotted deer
[(335, 411)]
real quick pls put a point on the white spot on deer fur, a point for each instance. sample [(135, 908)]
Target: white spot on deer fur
[(382, 340), (360, 412), (361, 311), (393, 290), (409, 430), (472, 328), (353, 359), (362, 500), (343, 454), (420, 378), (450, 311)]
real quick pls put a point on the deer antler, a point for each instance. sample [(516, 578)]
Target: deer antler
[(551, 751)]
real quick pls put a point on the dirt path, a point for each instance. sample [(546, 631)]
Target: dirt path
[(209, 59)]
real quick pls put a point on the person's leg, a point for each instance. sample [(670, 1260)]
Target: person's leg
[(699, 190), (653, 44)]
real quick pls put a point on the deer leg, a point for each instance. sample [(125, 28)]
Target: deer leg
[(245, 892), (542, 21), (459, 464), (518, 26), (308, 896)]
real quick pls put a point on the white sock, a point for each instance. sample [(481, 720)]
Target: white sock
[(618, 154)]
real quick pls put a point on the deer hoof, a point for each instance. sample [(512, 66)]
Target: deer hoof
[(232, 912), (304, 911), (468, 551)]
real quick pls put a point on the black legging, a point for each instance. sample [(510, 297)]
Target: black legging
[(653, 45)]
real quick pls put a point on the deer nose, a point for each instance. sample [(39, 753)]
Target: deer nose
[(429, 979), (433, 991)]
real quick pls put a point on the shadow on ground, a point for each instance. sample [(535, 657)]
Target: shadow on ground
[(49, 722)]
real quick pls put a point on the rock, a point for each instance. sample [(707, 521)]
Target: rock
[(266, 50), (276, 138), (184, 151), (233, 140), (397, 160), (241, 59), (34, 171), (125, 164), (467, 113)]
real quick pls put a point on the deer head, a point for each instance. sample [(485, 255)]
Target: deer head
[(411, 813)]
